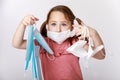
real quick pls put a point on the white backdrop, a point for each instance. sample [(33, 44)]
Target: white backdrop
[(103, 15)]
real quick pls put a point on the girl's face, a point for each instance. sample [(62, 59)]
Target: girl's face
[(58, 22)]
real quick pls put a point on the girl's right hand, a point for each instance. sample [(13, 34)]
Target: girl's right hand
[(29, 20)]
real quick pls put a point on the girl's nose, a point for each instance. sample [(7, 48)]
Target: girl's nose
[(58, 28)]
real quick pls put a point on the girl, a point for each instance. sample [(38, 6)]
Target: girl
[(62, 65)]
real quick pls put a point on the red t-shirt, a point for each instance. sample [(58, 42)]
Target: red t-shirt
[(61, 66)]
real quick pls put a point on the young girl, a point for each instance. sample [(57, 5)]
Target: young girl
[(62, 65)]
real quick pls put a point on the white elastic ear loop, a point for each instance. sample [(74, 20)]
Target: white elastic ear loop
[(75, 22), (98, 49), (90, 41), (84, 32)]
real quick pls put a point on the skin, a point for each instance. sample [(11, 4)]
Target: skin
[(56, 23)]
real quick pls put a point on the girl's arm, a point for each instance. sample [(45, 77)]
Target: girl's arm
[(97, 41), (18, 38)]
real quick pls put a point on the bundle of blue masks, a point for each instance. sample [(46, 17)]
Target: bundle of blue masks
[(32, 53)]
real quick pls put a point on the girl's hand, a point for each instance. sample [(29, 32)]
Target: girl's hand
[(29, 20), (82, 32)]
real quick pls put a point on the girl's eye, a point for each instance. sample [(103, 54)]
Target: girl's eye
[(53, 24), (64, 24)]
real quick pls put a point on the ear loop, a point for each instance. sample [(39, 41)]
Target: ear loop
[(75, 22), (84, 31), (76, 28)]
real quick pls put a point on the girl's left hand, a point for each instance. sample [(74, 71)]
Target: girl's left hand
[(82, 31)]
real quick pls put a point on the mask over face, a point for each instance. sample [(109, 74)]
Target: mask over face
[(60, 37)]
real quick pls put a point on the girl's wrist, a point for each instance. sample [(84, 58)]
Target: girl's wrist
[(23, 24)]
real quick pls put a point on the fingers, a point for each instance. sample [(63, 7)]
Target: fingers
[(82, 32), (29, 20), (34, 18), (79, 29)]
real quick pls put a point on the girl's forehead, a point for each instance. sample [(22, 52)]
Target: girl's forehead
[(57, 15)]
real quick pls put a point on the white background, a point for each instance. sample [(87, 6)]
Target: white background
[(103, 15)]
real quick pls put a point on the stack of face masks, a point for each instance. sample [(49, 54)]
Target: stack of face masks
[(78, 50), (33, 52)]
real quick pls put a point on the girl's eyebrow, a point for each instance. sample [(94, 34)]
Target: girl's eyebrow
[(60, 21), (64, 21), (53, 21)]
